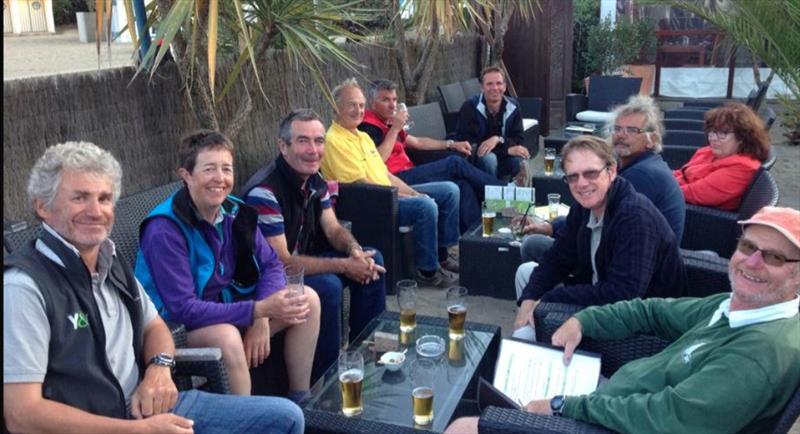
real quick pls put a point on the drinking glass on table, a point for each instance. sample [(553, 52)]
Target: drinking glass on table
[(423, 373), (407, 302), (549, 161), (456, 298), (487, 217), (351, 379), (553, 204)]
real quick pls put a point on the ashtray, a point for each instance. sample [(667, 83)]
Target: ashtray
[(430, 346), (393, 360)]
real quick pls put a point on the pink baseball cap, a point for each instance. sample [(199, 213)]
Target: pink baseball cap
[(784, 220)]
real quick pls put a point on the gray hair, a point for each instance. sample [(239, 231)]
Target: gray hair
[(653, 123), (377, 86), (344, 85), (75, 156), (302, 115)]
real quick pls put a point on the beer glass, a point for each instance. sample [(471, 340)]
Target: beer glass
[(549, 161), (407, 302), (456, 311), (294, 279), (553, 203), (423, 373), (488, 219), (351, 379), (401, 107)]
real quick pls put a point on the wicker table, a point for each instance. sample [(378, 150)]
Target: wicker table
[(488, 264), (387, 395)]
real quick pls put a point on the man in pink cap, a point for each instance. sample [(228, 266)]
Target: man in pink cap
[(734, 361)]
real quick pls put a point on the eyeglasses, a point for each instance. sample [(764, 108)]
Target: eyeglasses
[(627, 131), (770, 257), (719, 135), (590, 175)]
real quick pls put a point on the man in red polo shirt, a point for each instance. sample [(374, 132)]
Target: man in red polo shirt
[(384, 124)]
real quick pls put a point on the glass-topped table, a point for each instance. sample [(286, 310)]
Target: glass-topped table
[(386, 395)]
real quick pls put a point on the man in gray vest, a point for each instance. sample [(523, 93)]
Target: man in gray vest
[(85, 350)]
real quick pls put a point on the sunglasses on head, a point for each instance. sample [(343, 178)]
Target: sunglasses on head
[(770, 257)]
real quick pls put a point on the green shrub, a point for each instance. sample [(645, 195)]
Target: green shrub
[(609, 47)]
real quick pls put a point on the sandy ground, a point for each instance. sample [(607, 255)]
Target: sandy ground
[(47, 54)]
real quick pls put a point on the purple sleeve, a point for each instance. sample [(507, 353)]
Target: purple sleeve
[(166, 254), (272, 277)]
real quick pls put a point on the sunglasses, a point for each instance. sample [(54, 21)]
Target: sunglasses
[(770, 257), (590, 175)]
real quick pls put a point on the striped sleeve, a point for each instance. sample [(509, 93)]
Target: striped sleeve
[(270, 219)]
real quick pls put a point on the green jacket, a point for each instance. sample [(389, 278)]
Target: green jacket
[(710, 379)]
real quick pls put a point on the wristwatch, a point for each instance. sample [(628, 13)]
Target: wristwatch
[(557, 404), (162, 359), (448, 144)]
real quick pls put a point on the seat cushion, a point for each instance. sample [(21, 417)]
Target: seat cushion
[(594, 116), (529, 123)]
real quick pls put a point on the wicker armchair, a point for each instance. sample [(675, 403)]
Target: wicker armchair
[(428, 122), (550, 316), (713, 229), (195, 367), (604, 93)]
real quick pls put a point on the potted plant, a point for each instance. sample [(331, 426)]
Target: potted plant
[(625, 48), (86, 17)]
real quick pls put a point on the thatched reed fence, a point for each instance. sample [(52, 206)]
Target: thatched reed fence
[(141, 123)]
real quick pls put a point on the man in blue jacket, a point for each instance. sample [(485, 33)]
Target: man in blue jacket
[(493, 122), (614, 246)]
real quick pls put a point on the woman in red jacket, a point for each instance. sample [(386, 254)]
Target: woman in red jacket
[(718, 174)]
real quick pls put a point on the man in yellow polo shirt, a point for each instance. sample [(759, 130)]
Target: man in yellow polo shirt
[(432, 208)]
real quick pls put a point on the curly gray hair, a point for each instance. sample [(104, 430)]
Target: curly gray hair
[(653, 123), (77, 156)]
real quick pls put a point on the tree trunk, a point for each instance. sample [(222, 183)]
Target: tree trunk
[(415, 83)]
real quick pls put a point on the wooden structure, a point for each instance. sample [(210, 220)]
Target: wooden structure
[(538, 57), (28, 16)]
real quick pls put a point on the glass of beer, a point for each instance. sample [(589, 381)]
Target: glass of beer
[(549, 161), (423, 373), (456, 311), (407, 302), (351, 379), (553, 203), (488, 219)]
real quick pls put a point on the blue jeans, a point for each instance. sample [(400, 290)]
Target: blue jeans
[(468, 178), (435, 220), (366, 302), (499, 167), (222, 414), (535, 245)]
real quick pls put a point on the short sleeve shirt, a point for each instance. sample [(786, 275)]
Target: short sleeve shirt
[(352, 156)]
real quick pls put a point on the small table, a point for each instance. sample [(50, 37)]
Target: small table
[(560, 137), (489, 264), (387, 395)]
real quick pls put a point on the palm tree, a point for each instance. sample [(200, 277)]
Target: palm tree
[(435, 21), (237, 35)]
